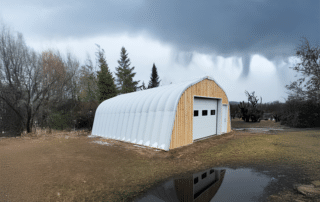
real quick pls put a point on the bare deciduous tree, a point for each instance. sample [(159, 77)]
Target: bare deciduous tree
[(88, 81), (13, 61), (59, 79), (29, 81), (310, 69)]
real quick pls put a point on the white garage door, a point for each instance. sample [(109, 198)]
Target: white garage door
[(204, 117)]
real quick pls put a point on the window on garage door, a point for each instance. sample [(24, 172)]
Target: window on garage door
[(204, 112), (195, 113), (213, 112)]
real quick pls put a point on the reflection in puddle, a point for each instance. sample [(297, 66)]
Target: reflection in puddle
[(215, 184), (243, 185)]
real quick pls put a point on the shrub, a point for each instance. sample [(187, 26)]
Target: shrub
[(60, 120), (304, 114)]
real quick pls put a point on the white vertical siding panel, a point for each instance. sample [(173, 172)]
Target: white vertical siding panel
[(136, 121), (149, 124), (132, 109), (108, 124), (124, 125), (101, 115), (142, 127), (120, 126), (164, 141), (110, 118), (155, 131), (156, 113), (120, 109), (141, 118), (124, 119), (137, 110), (129, 127), (106, 119), (149, 106), (114, 127)]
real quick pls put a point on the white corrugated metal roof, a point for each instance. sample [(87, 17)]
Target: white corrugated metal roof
[(142, 117)]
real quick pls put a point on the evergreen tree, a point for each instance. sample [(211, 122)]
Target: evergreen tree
[(90, 96), (125, 74), (106, 87), (154, 79), (143, 86)]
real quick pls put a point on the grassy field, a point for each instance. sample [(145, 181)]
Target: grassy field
[(67, 166)]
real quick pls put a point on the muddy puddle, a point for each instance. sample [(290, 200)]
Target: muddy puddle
[(222, 184)]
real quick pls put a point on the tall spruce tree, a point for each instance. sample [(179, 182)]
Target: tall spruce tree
[(106, 87), (154, 79), (125, 74)]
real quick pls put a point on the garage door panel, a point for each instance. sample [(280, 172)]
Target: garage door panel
[(204, 125)]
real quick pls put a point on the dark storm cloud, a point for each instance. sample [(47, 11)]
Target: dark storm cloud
[(228, 28), (270, 28)]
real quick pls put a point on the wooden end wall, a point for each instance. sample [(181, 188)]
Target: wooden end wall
[(183, 124)]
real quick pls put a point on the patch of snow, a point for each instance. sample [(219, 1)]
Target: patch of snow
[(92, 136), (139, 146), (102, 143)]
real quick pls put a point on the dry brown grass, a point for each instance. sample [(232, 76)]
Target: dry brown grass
[(294, 148), (42, 132), (239, 123), (66, 166)]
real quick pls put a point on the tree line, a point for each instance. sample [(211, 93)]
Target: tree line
[(50, 90), (108, 86)]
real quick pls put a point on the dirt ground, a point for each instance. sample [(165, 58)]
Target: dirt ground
[(69, 166)]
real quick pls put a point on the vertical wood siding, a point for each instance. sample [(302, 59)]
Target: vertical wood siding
[(229, 121), (183, 124)]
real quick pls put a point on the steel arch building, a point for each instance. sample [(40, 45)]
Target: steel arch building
[(165, 117)]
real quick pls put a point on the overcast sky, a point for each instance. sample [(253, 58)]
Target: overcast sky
[(244, 45)]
